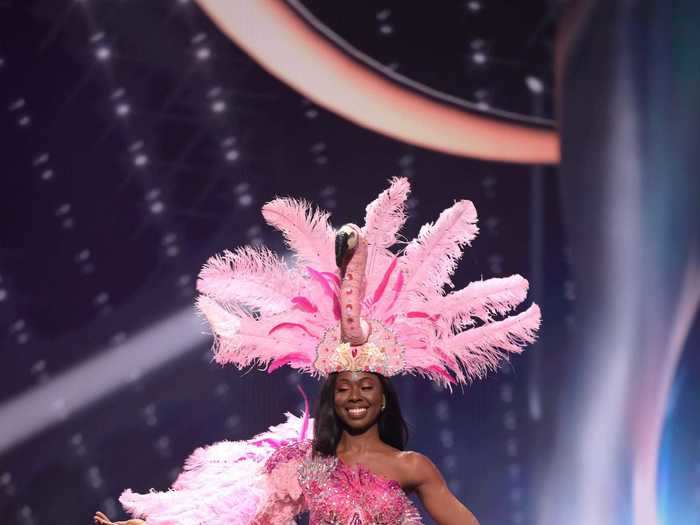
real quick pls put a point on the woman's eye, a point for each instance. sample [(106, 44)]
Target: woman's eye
[(367, 388)]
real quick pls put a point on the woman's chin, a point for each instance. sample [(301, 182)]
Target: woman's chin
[(358, 424)]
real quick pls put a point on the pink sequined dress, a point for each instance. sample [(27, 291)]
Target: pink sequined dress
[(335, 493), (269, 480)]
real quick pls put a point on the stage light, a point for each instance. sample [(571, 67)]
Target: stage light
[(29, 413), (101, 299), (203, 53), (103, 53), (41, 158), (534, 84), (479, 57), (140, 160), (17, 104), (47, 174), (122, 109), (386, 29), (218, 106), (474, 6), (82, 256), (3, 294), (157, 207), (383, 14)]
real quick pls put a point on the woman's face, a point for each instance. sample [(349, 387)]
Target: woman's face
[(358, 399)]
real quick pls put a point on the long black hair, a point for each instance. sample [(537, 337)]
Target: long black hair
[(328, 427)]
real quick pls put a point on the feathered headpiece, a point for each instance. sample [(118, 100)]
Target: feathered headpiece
[(349, 303)]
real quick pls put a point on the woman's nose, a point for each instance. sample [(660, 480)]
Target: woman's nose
[(354, 393)]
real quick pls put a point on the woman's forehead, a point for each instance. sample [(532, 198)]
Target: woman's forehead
[(355, 377)]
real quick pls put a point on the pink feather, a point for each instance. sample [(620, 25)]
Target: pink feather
[(306, 230), (430, 259), (441, 373), (386, 214), (252, 276), (484, 348), (480, 300)]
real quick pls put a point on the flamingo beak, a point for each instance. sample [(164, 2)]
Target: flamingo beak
[(341, 247)]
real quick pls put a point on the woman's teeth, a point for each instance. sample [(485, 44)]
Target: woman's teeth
[(357, 412)]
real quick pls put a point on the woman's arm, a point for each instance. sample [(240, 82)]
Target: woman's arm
[(436, 497)]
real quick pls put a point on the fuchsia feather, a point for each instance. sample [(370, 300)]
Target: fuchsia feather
[(263, 312), (327, 290), (379, 292), (304, 304)]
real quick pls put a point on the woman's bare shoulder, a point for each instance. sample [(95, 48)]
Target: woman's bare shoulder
[(416, 466)]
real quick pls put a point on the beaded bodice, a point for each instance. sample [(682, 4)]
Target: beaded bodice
[(335, 493)]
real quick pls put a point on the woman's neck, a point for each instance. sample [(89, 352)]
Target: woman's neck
[(353, 443)]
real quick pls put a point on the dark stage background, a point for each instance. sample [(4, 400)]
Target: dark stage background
[(137, 140)]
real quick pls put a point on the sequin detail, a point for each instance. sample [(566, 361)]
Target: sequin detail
[(338, 494)]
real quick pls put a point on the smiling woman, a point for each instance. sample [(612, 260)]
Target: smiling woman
[(358, 423), (355, 317), (349, 402)]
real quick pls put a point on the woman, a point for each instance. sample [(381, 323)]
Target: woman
[(372, 432), (359, 423), (355, 317)]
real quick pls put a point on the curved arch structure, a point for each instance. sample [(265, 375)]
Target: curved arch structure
[(273, 34)]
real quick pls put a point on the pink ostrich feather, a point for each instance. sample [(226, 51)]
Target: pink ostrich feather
[(430, 260), (242, 340), (223, 483), (251, 276), (306, 230), (479, 300), (483, 349), (386, 214)]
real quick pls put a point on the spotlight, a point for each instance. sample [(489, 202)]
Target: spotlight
[(203, 53), (103, 53), (122, 109), (534, 84)]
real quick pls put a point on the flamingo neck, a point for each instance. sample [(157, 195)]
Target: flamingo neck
[(354, 329)]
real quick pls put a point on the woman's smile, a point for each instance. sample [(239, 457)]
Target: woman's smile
[(357, 412)]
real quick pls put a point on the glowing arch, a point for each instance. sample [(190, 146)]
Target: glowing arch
[(275, 36)]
